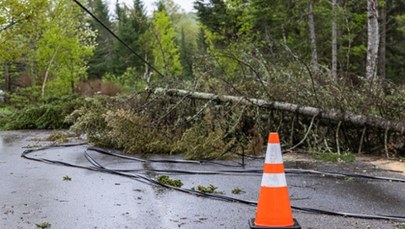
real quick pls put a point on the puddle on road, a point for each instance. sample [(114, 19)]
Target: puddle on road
[(376, 192), (17, 138), (371, 195), (9, 139)]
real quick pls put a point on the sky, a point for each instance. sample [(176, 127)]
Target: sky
[(187, 5)]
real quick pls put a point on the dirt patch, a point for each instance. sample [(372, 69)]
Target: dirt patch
[(294, 156), (396, 165)]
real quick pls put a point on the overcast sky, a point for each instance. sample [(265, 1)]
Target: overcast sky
[(187, 5)]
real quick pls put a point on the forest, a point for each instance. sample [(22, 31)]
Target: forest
[(328, 75)]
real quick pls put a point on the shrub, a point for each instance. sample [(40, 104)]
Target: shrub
[(5, 117), (48, 114)]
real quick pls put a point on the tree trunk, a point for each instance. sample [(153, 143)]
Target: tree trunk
[(47, 72), (7, 78), (314, 55), (334, 40), (346, 117), (383, 35), (148, 74), (373, 40)]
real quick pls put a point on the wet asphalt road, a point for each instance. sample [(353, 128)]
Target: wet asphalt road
[(33, 192)]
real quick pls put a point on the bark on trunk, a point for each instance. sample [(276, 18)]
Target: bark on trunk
[(147, 75), (383, 35), (358, 120), (334, 40), (373, 40), (314, 55)]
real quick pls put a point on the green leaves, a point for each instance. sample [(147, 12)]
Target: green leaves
[(208, 189), (164, 49), (64, 47), (67, 178), (43, 225), (167, 180), (49, 39), (20, 21)]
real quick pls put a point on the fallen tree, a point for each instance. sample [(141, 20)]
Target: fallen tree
[(339, 116), (204, 126)]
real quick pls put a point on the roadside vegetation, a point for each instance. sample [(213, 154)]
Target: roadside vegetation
[(49, 113), (85, 81)]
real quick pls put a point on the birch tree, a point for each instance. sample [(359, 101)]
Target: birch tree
[(314, 54), (373, 40), (62, 50), (20, 23)]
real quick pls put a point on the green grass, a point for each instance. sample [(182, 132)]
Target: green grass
[(333, 157)]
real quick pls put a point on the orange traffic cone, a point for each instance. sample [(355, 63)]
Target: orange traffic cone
[(273, 208)]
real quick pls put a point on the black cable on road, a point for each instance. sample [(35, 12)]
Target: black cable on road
[(105, 152), (117, 37), (240, 171), (96, 166)]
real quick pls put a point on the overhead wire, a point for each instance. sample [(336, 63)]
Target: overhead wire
[(98, 167), (117, 37)]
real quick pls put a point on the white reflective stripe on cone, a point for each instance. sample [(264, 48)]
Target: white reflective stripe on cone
[(273, 154), (274, 180)]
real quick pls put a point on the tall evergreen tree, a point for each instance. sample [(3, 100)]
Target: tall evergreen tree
[(101, 62), (130, 25), (216, 17), (395, 41), (186, 56)]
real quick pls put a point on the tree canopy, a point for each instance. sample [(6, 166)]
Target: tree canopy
[(56, 42)]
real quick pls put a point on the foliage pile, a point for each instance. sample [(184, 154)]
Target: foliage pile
[(117, 123), (157, 124), (151, 123), (204, 141), (57, 137)]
